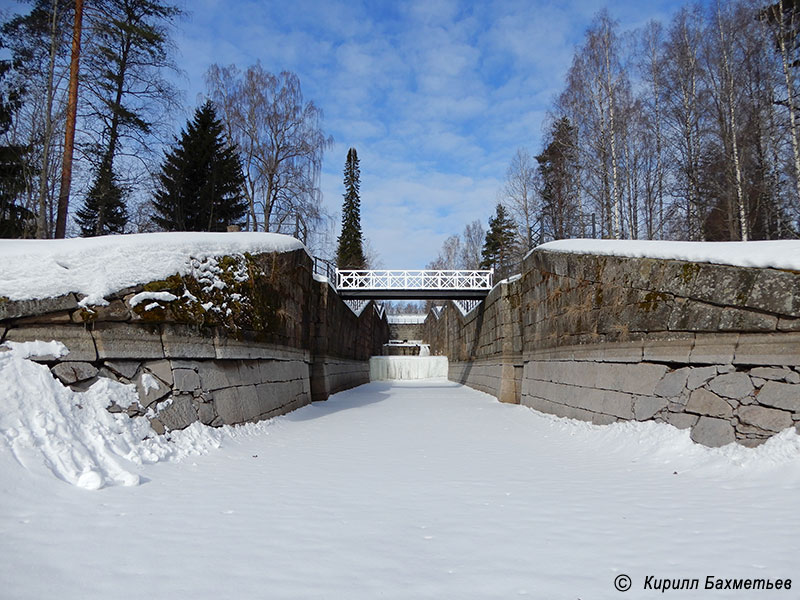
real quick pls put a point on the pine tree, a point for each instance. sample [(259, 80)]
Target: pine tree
[(350, 254), (103, 211), (200, 185), (499, 251)]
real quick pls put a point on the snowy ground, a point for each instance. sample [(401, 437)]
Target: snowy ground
[(407, 490)]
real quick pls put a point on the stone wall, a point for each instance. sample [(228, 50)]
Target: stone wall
[(708, 347), (484, 347), (405, 331), (241, 339), (401, 349)]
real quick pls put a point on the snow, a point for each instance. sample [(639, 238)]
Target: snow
[(149, 382), (777, 254), (511, 279), (395, 489), (143, 296), (36, 348), (98, 266), (407, 367), (49, 429)]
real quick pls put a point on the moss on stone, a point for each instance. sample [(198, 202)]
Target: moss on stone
[(249, 299), (156, 314), (652, 300), (688, 272), (172, 284), (86, 315)]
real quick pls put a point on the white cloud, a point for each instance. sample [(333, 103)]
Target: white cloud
[(436, 95)]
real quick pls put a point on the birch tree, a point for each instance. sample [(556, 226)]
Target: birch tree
[(651, 67), (472, 245), (519, 195), (592, 102), (281, 143), (684, 116), (784, 19), (725, 24)]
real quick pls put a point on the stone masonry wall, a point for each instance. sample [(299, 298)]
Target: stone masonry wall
[(405, 331), (708, 347), (484, 347), (241, 339)]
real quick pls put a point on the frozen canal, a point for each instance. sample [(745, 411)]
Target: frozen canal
[(409, 490)]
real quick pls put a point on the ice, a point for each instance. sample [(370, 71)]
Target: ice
[(383, 368), (406, 319)]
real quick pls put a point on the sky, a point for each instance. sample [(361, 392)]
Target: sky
[(435, 95)]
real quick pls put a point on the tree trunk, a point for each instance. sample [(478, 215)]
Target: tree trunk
[(728, 75), (614, 175), (69, 136), (41, 217), (659, 143), (617, 224), (787, 76)]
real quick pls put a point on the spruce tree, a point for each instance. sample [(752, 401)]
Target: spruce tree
[(499, 251), (350, 254), (200, 185), (15, 219), (103, 211), (558, 172)]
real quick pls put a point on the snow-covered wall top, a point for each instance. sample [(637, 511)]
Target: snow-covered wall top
[(588, 333), (781, 254), (96, 267)]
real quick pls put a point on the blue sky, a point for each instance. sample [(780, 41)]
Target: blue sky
[(436, 95)]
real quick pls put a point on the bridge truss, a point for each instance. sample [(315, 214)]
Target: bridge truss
[(414, 284)]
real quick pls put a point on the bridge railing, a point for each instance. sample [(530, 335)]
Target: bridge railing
[(325, 268), (413, 280)]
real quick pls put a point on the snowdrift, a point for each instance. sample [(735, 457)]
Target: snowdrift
[(51, 430), (382, 368)]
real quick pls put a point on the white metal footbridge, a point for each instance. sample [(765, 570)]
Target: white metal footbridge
[(413, 285)]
